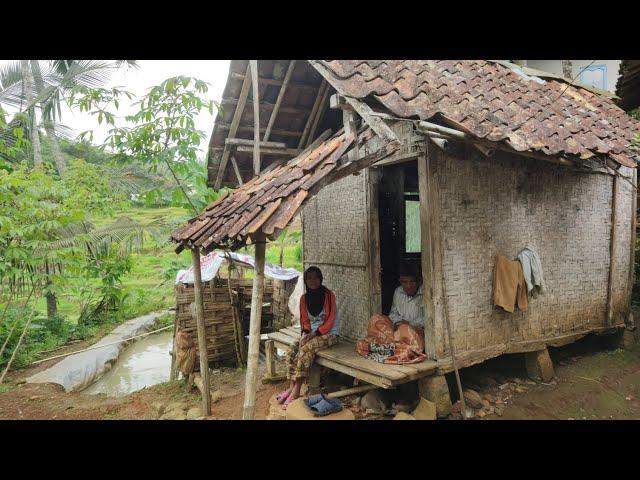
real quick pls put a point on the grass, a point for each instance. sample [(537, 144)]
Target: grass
[(149, 286)]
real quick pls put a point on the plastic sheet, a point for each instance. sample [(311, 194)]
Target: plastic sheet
[(78, 371)]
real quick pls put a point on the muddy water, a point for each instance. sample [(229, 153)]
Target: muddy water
[(141, 364)]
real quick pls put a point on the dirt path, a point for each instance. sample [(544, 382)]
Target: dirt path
[(19, 400), (592, 383)]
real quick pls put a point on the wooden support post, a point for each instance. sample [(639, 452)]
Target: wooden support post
[(251, 378), (612, 253), (436, 390), (352, 391), (202, 336), (270, 358), (276, 107), (313, 386), (173, 372), (632, 249), (539, 365), (426, 259), (256, 117)]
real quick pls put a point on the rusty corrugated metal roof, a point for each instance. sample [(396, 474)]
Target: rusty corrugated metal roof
[(493, 101)]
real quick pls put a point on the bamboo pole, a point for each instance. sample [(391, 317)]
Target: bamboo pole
[(251, 378), (236, 333), (202, 336), (256, 117)]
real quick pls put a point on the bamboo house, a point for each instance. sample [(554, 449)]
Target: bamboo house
[(444, 163)]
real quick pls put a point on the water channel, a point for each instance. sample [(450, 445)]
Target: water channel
[(142, 364)]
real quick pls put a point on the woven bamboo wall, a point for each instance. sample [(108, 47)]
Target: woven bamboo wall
[(218, 320), (498, 206), (334, 226), (218, 314)]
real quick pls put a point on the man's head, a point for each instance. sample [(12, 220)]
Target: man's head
[(410, 279)]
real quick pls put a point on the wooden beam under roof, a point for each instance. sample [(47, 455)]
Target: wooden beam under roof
[(275, 82), (270, 106), (324, 103), (314, 111), (247, 128), (233, 127), (243, 141), (276, 108)]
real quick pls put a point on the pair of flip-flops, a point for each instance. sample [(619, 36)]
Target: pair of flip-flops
[(320, 405)]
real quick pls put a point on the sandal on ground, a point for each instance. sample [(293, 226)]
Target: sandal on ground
[(282, 396), (326, 406), (313, 399)]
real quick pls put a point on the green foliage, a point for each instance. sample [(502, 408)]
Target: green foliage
[(109, 269), (161, 135), (297, 252)]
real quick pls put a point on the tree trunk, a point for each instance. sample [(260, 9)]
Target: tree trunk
[(58, 159), (49, 124), (28, 86), (52, 305), (567, 69)]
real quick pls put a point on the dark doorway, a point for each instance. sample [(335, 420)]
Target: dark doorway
[(399, 217)]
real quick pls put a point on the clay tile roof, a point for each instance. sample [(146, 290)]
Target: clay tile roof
[(494, 101), (267, 202)]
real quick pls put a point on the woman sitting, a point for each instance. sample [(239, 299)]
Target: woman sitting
[(319, 323)]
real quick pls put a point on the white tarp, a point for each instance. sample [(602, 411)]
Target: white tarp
[(294, 300), (210, 264), (78, 371)]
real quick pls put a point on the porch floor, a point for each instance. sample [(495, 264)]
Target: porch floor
[(343, 358)]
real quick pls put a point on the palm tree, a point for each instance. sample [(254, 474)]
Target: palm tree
[(30, 83), (28, 94)]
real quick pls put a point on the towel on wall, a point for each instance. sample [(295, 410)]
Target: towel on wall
[(532, 271), (509, 285)]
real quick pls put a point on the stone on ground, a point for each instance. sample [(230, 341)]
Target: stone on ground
[(539, 365), (472, 398), (628, 339), (425, 410), (297, 410), (436, 390), (404, 416)]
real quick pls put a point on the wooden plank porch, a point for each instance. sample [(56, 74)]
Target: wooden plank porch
[(343, 358)]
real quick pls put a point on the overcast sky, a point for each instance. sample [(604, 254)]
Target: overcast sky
[(150, 73)]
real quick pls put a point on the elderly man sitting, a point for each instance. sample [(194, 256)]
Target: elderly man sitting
[(408, 300), (399, 337)]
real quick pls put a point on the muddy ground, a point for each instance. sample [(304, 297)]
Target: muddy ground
[(593, 381)]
